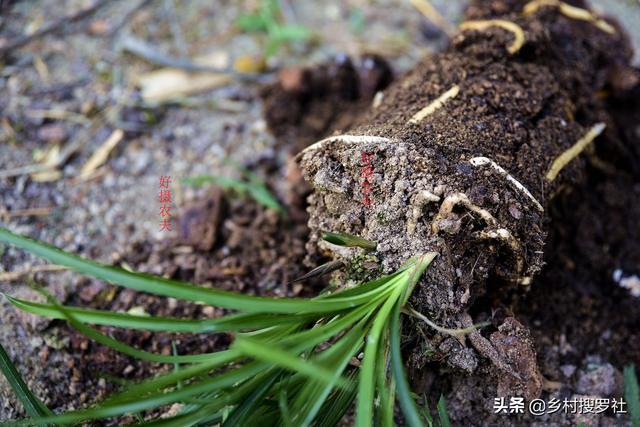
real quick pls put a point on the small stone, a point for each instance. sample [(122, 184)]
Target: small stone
[(568, 370), (99, 27), (295, 79), (52, 133), (209, 311), (599, 380), (515, 212)]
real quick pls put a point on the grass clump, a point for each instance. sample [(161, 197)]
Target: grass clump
[(251, 185), (293, 361), (267, 21)]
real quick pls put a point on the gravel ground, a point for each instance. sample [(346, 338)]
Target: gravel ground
[(82, 71)]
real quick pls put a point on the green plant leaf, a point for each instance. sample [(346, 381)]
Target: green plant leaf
[(272, 354), (229, 323), (336, 406), (291, 33), (34, 407), (348, 240), (366, 387), (408, 405), (632, 394), (312, 396), (426, 413), (221, 181), (385, 391), (255, 188), (443, 414), (251, 23), (179, 290), (321, 270), (239, 415), (285, 414), (159, 398)]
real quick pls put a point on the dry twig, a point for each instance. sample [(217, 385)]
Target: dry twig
[(52, 28)]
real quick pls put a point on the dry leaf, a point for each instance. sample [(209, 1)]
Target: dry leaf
[(166, 84), (100, 156), (170, 83)]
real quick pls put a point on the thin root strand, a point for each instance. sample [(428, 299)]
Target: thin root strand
[(351, 139), (563, 159), (451, 202), (482, 25), (503, 235), (434, 105), (569, 11), (457, 333), (482, 161)]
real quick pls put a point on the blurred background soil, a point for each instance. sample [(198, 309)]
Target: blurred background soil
[(70, 94)]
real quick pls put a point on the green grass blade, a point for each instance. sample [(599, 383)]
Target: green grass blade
[(186, 419), (321, 270), (418, 265), (309, 338), (348, 240), (408, 405), (159, 383), (310, 399), (369, 288), (159, 398), (34, 407), (632, 394), (366, 387), (337, 404), (270, 353), (127, 349), (285, 414), (426, 413), (222, 181), (179, 290), (385, 407), (255, 188), (228, 323), (443, 414), (240, 414)]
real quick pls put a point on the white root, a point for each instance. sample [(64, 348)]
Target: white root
[(434, 105), (454, 332), (480, 25), (432, 14), (494, 232), (482, 161), (569, 11), (452, 201), (350, 139), (377, 100), (419, 200), (563, 159), (505, 236)]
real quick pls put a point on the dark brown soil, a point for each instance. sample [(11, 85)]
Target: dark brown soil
[(522, 111), (584, 325), (308, 103)]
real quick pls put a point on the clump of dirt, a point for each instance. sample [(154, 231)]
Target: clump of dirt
[(583, 322), (461, 150), (308, 102)]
